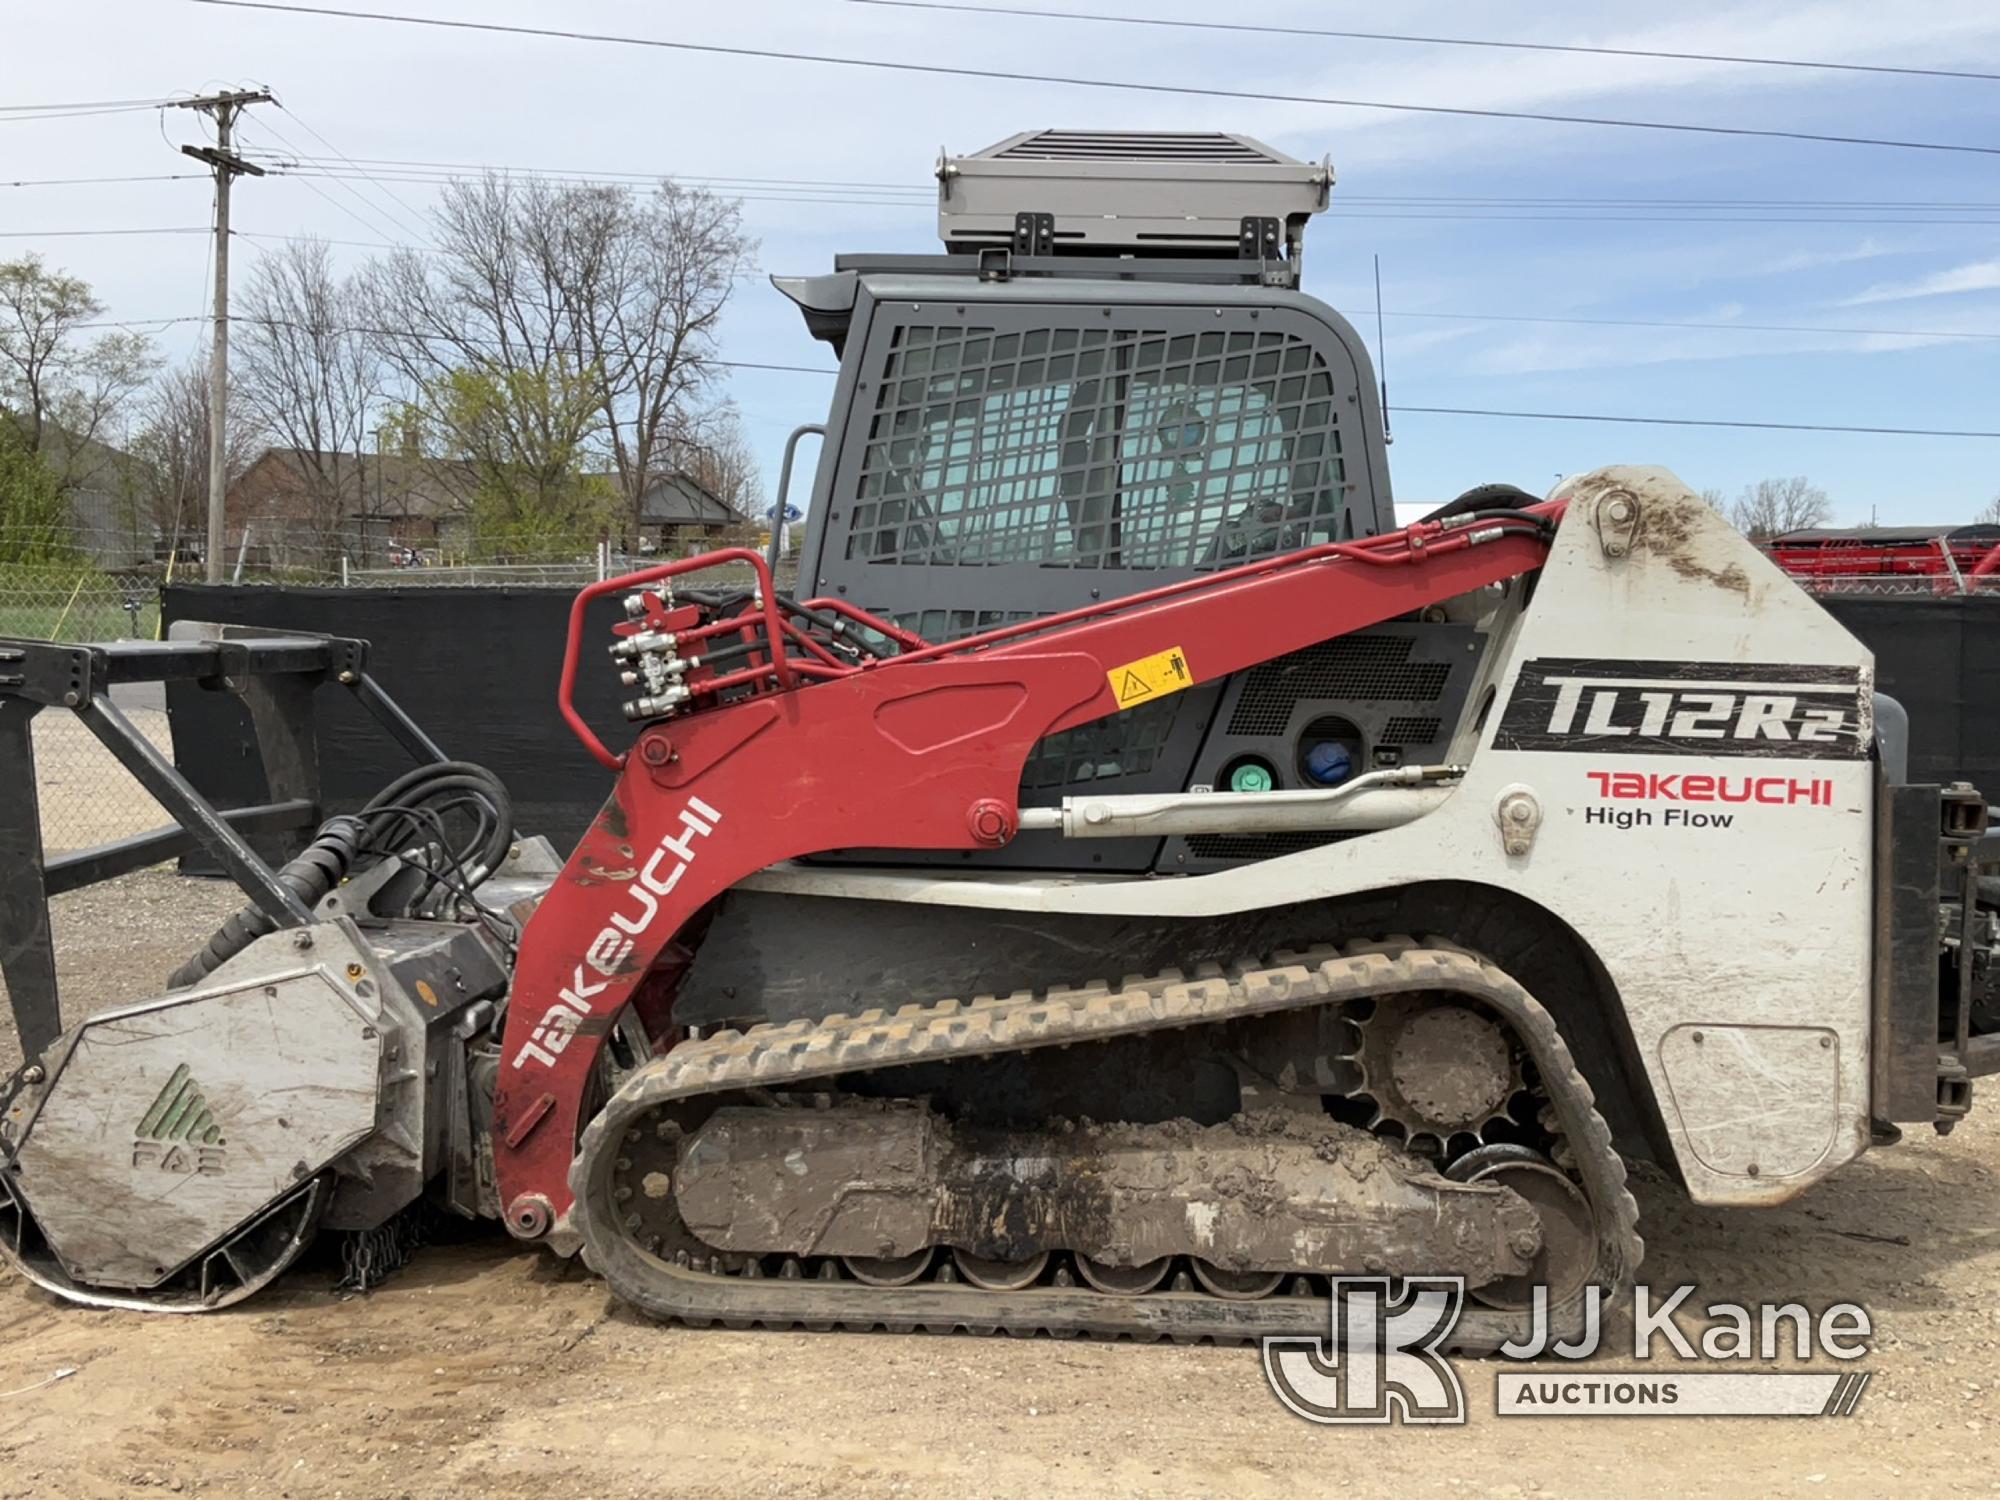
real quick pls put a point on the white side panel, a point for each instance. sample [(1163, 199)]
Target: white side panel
[(1721, 889)]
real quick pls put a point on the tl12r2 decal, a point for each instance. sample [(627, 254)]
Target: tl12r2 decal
[(1688, 708)]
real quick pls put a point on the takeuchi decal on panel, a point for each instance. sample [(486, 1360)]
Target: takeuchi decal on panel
[(604, 960), (1775, 710)]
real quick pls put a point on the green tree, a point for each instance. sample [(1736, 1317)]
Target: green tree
[(34, 513), (517, 440), (64, 394), (626, 291)]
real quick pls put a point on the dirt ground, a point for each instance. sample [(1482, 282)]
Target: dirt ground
[(481, 1370)]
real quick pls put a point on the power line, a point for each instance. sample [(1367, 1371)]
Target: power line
[(143, 322), (462, 339), (1443, 411), (460, 166), (378, 219), (305, 126), (751, 364), (373, 226), (1427, 41), (1349, 208), (256, 234), (1182, 90), (107, 104), (30, 182), (1968, 205), (1891, 333), (75, 114), (1574, 416), (1460, 317), (926, 192), (804, 197), (64, 234)]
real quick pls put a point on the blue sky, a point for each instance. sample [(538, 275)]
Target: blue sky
[(383, 91)]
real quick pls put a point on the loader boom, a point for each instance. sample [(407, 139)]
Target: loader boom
[(922, 750)]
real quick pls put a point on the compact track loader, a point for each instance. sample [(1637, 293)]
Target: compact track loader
[(1128, 882)]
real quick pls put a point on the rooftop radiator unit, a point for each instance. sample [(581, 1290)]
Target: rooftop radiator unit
[(1132, 193)]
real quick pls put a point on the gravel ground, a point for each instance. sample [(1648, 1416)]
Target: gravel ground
[(482, 1370), (119, 941)]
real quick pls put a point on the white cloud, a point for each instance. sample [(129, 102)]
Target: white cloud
[(1920, 32), (1978, 276), (1812, 260)]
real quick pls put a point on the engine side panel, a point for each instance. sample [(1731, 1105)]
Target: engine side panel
[(1710, 844)]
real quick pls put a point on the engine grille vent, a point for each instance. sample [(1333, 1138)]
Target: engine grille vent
[(1409, 729), (1255, 845), (1371, 668)]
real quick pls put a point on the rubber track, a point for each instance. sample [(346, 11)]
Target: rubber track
[(784, 1055)]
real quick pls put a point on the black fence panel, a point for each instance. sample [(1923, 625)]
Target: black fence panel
[(1938, 658), (476, 667)]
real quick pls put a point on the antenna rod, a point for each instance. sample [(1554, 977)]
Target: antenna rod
[(1381, 351)]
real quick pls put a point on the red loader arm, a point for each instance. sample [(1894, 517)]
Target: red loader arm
[(923, 750)]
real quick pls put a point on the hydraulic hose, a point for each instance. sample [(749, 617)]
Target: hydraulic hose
[(1485, 497), (405, 814), (322, 865)]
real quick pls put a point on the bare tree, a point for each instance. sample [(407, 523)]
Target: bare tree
[(563, 282), (711, 449), (169, 453), (1989, 515), (653, 338), (1771, 507), (62, 393), (310, 376)]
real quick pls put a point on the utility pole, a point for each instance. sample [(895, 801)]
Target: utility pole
[(227, 166)]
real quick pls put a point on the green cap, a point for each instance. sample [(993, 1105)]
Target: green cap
[(1251, 776)]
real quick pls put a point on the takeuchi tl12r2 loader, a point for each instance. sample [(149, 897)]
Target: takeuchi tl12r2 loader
[(1128, 883)]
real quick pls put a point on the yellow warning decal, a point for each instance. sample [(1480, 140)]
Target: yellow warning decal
[(1150, 677)]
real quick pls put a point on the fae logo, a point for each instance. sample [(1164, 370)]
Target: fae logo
[(1380, 1363), (178, 1135)]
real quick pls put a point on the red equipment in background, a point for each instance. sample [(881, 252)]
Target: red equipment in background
[(1942, 560)]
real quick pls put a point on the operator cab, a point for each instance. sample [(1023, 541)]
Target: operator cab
[(1110, 380)]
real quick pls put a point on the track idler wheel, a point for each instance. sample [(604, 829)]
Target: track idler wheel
[(1123, 1281), (1000, 1275), (889, 1270), (1237, 1286), (1569, 1228)]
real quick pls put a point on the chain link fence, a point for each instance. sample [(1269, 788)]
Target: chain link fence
[(86, 797), (569, 573), (1900, 585)]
